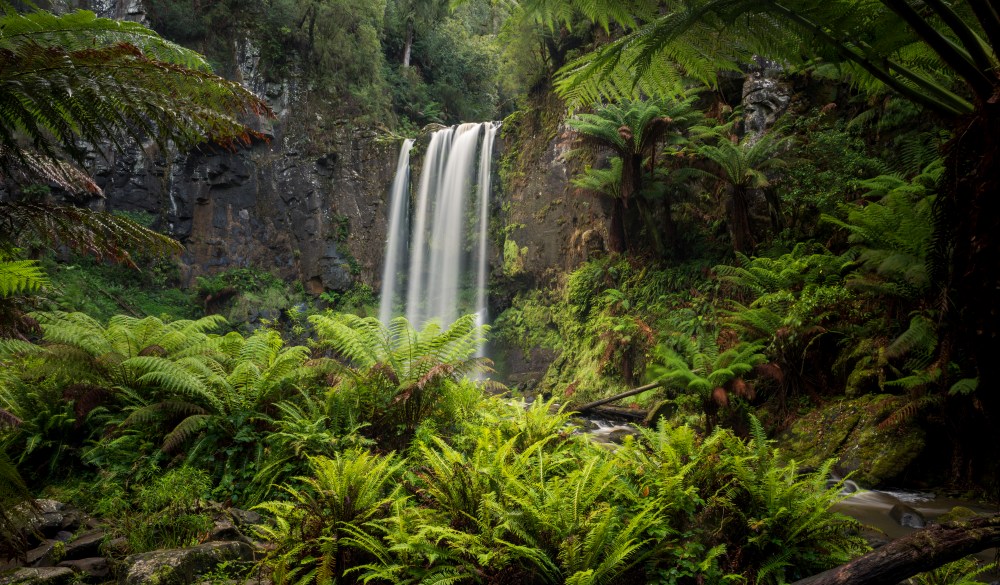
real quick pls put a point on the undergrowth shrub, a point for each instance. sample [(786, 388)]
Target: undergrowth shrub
[(516, 497)]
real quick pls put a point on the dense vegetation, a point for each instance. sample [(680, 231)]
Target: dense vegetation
[(751, 274)]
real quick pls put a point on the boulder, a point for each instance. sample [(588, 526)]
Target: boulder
[(49, 519), (244, 518), (42, 555), (181, 566), (38, 576), (87, 545), (906, 516), (849, 431), (225, 531), (96, 567)]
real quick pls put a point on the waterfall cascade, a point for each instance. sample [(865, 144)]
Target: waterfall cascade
[(444, 272)]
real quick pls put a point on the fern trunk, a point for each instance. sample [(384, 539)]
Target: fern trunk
[(739, 220), (616, 231), (967, 237)]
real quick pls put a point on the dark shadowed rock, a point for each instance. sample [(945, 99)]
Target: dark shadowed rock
[(38, 576), (87, 545), (244, 518), (95, 567), (41, 555), (907, 516), (181, 566)]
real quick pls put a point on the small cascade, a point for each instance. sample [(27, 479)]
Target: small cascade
[(395, 249), (447, 268)]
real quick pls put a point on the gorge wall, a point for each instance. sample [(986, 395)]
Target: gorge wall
[(309, 203)]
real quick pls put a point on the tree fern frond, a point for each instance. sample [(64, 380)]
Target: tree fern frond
[(21, 276), (184, 430)]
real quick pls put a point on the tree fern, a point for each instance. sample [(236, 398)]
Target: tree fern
[(20, 277), (76, 76)]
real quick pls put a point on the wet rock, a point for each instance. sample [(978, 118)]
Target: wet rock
[(39, 576), (957, 514), (87, 545), (49, 520), (64, 536), (244, 518), (225, 530), (42, 555), (874, 537), (181, 566), (94, 567), (848, 430), (664, 409), (906, 516)]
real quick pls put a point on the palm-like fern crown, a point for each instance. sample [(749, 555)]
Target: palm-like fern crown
[(83, 350), (75, 76), (743, 163), (702, 367), (604, 181), (409, 355), (628, 129), (105, 236), (917, 51)]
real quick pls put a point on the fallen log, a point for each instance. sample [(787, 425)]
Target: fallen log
[(915, 553), (603, 401), (614, 412)]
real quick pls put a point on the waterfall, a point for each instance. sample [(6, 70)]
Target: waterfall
[(399, 201), (484, 185), (448, 244)]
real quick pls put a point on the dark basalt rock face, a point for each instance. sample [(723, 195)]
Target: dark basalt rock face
[(307, 203)]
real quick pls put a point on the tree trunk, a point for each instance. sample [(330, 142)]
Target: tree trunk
[(616, 231), (921, 551), (967, 238), (669, 225), (603, 401), (739, 220)]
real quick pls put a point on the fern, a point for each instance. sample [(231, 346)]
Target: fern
[(20, 277)]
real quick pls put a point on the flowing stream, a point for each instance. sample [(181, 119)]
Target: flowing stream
[(437, 246)]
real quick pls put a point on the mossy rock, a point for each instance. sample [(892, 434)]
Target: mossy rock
[(848, 431), (957, 514)]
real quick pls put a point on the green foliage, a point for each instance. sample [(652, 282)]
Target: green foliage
[(14, 503), (331, 521), (961, 572), (77, 77), (702, 39), (167, 512), (894, 233), (514, 497), (103, 290), (604, 320), (831, 162), (394, 378), (20, 276)]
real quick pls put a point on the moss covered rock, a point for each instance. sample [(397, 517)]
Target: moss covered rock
[(848, 431)]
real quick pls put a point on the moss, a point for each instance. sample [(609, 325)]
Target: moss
[(513, 257), (957, 514), (848, 431)]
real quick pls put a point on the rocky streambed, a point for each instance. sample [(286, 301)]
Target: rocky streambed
[(68, 547)]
